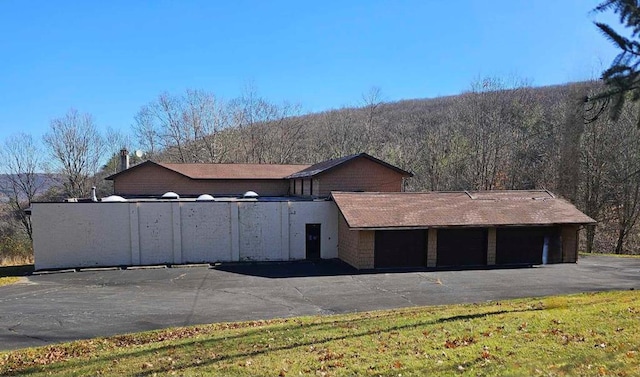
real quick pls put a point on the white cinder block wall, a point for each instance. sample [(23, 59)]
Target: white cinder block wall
[(143, 233)]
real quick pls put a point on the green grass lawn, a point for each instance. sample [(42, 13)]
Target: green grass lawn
[(584, 254), (586, 334)]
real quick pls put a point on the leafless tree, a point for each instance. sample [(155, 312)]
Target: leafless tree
[(625, 173), (485, 120), (20, 159), (184, 127), (568, 169), (266, 132), (598, 151), (77, 149)]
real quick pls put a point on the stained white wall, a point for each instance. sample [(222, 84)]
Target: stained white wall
[(260, 228), (206, 232), (302, 213), (80, 234), (143, 233), (156, 232)]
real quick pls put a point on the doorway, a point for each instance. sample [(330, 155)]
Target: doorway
[(312, 241), (400, 248)]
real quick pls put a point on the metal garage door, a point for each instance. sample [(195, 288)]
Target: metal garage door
[(520, 245), (462, 247), (400, 248)]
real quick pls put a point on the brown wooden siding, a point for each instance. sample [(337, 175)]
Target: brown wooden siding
[(569, 235), (355, 247), (358, 175), (154, 181)]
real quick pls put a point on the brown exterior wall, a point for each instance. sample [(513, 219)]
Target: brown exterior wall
[(358, 175), (155, 180), (432, 247), (491, 246), (555, 246), (569, 235), (355, 247), (307, 187)]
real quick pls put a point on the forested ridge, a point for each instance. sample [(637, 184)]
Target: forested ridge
[(494, 136), (490, 138)]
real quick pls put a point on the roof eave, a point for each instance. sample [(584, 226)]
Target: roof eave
[(445, 226), (238, 179), (314, 173), (147, 162)]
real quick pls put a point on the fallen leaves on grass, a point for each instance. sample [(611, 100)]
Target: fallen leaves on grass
[(387, 343), (459, 342)]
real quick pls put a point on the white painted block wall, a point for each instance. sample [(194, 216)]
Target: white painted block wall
[(206, 232), (143, 233)]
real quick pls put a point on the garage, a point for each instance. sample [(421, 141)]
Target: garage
[(456, 229), (520, 245), (462, 247), (400, 248)]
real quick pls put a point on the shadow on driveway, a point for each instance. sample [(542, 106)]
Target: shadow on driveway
[(24, 270), (331, 267)]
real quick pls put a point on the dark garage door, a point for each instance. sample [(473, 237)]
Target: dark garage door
[(400, 248), (462, 247), (520, 245)]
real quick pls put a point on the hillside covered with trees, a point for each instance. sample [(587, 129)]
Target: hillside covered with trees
[(495, 136)]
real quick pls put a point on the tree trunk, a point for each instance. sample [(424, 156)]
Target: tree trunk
[(620, 242), (591, 233)]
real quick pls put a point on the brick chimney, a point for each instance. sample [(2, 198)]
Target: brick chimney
[(124, 159)]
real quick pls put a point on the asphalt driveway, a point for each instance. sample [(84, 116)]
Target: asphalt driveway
[(56, 307)]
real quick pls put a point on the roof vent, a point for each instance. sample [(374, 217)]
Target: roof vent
[(170, 195), (205, 198), (250, 194), (113, 199)]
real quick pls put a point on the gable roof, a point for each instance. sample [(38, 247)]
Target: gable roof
[(451, 209), (325, 166), (224, 171)]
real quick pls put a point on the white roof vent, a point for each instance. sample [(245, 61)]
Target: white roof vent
[(170, 195), (113, 199), (205, 198), (250, 194)]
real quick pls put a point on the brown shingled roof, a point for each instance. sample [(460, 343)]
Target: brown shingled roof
[(223, 171), (234, 171), (321, 167), (450, 209)]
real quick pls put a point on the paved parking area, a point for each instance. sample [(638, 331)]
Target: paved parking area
[(58, 307)]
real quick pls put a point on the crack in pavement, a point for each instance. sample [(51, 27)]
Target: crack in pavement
[(318, 308), (260, 298), (378, 288)]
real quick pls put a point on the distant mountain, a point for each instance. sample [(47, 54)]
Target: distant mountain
[(43, 181)]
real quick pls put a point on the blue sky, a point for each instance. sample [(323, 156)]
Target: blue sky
[(109, 58)]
